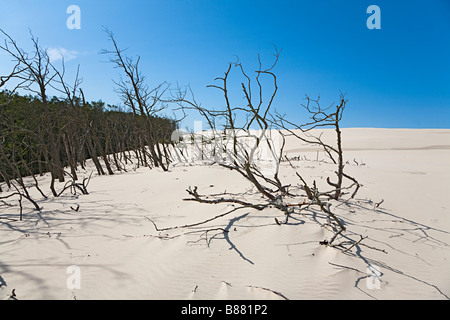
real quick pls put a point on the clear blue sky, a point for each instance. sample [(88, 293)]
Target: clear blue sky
[(398, 76)]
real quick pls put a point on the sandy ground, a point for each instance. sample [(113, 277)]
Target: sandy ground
[(109, 248)]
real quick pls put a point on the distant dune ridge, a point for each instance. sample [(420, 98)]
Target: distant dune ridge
[(126, 240)]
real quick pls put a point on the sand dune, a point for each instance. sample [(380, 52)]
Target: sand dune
[(120, 255)]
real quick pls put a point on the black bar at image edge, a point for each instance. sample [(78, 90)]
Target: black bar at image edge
[(220, 309)]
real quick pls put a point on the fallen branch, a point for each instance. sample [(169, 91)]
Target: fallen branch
[(350, 268), (266, 289), (205, 233), (22, 195), (335, 235), (358, 185), (194, 224), (197, 198), (354, 243)]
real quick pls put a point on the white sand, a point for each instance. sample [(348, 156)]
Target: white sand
[(115, 246)]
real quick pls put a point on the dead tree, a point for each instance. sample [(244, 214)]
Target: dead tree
[(145, 102), (322, 118), (244, 137), (91, 131), (72, 100)]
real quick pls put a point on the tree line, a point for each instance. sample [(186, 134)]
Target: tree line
[(89, 130), (40, 133)]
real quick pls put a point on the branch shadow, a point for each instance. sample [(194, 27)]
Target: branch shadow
[(227, 237), (411, 228)]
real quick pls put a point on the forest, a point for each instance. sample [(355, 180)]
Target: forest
[(86, 130)]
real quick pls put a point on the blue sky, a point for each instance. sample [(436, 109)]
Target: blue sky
[(394, 77)]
